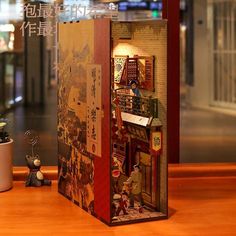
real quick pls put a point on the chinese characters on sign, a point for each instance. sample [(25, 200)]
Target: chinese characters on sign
[(42, 18), (43, 27), (94, 109), (46, 12)]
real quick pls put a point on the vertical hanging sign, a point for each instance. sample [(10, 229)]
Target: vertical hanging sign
[(94, 108), (156, 142)]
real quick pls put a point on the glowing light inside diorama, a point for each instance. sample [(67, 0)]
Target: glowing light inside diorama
[(7, 28), (127, 49), (122, 49)]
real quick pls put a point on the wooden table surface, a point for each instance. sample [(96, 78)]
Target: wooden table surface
[(197, 206)]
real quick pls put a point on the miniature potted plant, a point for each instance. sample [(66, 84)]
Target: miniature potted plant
[(6, 150)]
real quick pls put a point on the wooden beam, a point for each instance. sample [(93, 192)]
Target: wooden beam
[(171, 12)]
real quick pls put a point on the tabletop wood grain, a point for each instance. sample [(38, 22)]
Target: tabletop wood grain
[(197, 206)]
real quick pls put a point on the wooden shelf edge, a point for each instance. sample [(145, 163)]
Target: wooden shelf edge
[(202, 170), (174, 171), (20, 172)]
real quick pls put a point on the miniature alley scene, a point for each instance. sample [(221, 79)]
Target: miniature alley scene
[(112, 119), (137, 120)]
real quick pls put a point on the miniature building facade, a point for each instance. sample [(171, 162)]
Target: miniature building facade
[(112, 105)]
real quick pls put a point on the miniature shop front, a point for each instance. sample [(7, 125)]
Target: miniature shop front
[(112, 118)]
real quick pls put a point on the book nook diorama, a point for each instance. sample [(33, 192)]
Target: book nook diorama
[(112, 105)]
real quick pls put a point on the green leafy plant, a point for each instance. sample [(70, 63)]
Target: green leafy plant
[(4, 137)]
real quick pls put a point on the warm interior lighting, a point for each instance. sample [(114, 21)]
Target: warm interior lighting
[(127, 49)]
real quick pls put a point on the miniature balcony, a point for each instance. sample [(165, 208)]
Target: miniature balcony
[(140, 106)]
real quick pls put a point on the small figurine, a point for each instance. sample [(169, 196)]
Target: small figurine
[(115, 205), (135, 180), (136, 100), (123, 204), (116, 167), (134, 88), (35, 177)]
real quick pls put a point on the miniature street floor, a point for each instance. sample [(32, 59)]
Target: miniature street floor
[(135, 214)]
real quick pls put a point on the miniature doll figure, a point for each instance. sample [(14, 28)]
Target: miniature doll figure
[(123, 204), (116, 167), (134, 88), (136, 101), (35, 177), (135, 180), (115, 205)]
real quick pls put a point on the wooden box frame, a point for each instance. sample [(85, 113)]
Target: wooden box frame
[(85, 171)]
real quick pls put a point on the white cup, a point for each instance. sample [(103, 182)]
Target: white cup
[(6, 172)]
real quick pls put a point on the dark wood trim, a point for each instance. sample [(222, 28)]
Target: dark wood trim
[(102, 174), (171, 12)]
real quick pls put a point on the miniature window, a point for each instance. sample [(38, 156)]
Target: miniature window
[(138, 68)]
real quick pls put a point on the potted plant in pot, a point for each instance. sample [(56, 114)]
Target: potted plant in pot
[(6, 150)]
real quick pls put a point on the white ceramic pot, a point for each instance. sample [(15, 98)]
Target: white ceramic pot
[(6, 173)]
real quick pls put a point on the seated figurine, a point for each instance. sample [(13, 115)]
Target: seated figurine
[(134, 88), (35, 177), (136, 94)]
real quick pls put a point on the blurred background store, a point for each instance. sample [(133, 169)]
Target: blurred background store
[(207, 79), (27, 83)]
